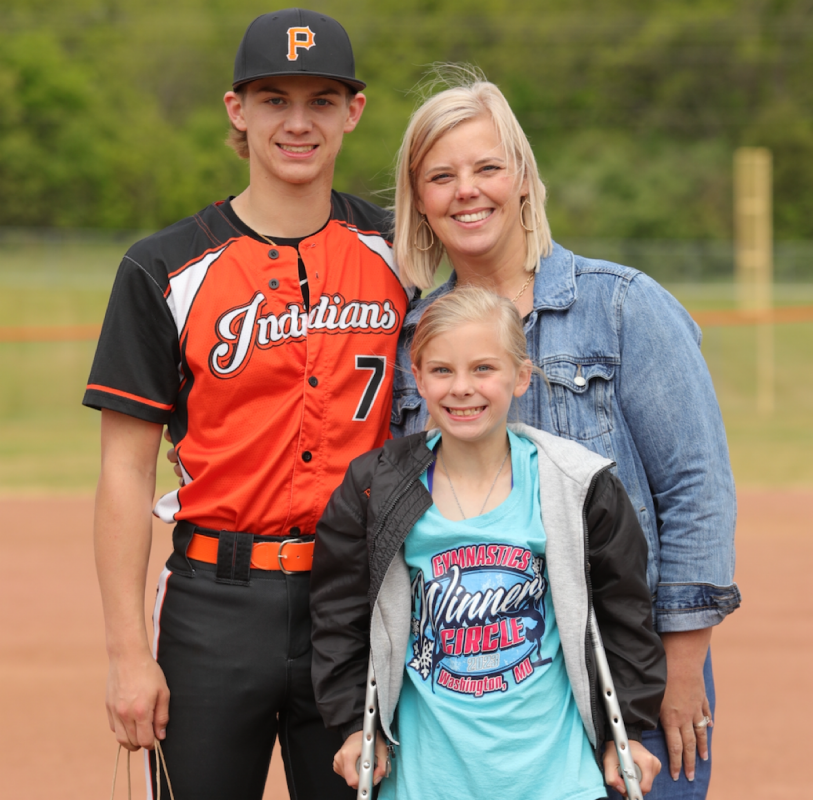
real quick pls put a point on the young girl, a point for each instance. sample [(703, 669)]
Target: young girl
[(466, 558)]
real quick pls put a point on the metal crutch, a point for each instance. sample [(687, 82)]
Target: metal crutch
[(630, 771), (365, 766)]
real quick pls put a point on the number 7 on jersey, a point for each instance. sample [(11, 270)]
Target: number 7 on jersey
[(378, 365)]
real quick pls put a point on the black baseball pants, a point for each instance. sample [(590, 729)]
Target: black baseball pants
[(237, 660)]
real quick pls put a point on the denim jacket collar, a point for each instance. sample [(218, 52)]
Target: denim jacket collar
[(554, 287), (555, 284)]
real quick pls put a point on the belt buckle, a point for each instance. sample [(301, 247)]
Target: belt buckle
[(280, 556)]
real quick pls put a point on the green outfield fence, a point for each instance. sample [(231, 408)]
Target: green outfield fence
[(54, 286)]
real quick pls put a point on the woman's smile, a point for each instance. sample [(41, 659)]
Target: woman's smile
[(473, 216), (469, 192)]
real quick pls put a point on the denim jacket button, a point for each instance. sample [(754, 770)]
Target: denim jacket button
[(579, 381)]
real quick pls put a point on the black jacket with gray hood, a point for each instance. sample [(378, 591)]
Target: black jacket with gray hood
[(596, 552)]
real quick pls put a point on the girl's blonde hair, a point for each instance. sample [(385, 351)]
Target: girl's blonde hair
[(469, 95), (471, 304)]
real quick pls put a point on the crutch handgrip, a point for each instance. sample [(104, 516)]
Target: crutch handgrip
[(630, 771), (366, 764)]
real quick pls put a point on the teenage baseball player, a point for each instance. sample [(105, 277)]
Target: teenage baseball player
[(262, 331)]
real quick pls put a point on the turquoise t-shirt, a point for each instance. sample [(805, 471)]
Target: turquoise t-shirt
[(486, 709)]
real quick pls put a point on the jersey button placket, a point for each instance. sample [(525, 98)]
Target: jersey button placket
[(273, 254)]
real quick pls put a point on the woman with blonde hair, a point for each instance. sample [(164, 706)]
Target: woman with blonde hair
[(623, 375)]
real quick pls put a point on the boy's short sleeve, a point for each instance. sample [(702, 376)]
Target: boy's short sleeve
[(136, 369)]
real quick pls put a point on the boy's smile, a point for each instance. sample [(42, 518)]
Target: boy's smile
[(294, 126)]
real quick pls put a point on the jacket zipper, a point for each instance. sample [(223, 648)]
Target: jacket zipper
[(589, 583), (388, 509)]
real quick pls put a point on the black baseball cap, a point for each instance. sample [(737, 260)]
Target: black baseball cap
[(295, 41)]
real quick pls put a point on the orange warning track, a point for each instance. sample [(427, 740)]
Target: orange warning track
[(54, 741), (50, 333)]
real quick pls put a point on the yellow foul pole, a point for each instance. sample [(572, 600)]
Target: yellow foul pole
[(753, 229)]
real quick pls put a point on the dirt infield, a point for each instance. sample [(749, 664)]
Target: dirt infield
[(54, 741)]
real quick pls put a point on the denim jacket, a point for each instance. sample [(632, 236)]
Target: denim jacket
[(626, 378)]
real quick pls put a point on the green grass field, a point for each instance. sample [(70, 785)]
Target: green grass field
[(49, 442)]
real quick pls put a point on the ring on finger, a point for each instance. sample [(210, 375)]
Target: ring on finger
[(703, 723)]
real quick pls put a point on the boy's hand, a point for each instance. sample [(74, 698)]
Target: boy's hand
[(344, 762), (137, 702), (649, 764)]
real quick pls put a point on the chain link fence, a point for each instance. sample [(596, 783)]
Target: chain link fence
[(679, 261), (84, 256), (60, 280)]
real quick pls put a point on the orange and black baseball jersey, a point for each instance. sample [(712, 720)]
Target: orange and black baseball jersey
[(267, 401)]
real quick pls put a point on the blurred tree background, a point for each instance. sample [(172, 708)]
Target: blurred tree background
[(112, 125), (111, 113)]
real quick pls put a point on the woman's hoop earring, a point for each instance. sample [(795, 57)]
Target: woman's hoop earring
[(431, 236), (525, 203)]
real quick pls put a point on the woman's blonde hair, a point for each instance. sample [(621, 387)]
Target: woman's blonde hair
[(468, 95), (471, 304)]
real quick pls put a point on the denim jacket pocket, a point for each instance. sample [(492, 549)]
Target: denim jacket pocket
[(581, 398)]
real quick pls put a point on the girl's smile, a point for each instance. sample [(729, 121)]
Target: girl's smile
[(465, 412), (468, 380)]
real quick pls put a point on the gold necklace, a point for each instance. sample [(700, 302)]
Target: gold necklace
[(524, 287), (273, 244)]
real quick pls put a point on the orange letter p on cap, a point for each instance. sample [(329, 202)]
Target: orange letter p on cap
[(298, 37)]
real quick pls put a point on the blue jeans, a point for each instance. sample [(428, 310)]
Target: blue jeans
[(664, 787)]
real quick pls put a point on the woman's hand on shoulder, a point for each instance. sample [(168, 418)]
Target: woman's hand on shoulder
[(650, 766), (172, 457), (345, 761)]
